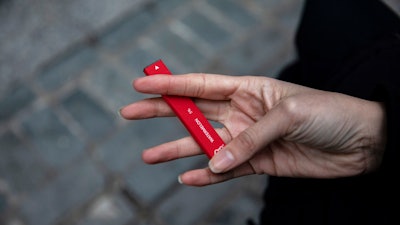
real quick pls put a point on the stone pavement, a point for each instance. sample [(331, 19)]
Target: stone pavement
[(67, 67)]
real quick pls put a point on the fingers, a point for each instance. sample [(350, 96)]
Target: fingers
[(205, 176), (157, 107), (181, 148), (147, 108), (202, 177), (243, 147), (213, 86), (208, 86)]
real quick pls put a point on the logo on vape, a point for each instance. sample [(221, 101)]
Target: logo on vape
[(219, 148)]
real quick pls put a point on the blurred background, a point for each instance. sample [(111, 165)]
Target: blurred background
[(66, 67)]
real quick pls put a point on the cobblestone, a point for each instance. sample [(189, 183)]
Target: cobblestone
[(110, 209), (56, 75), (66, 69), (50, 138), (17, 97), (16, 163), (91, 117), (71, 189)]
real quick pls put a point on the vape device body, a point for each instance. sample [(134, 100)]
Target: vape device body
[(190, 115)]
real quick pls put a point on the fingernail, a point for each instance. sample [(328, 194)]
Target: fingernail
[(119, 112), (221, 161), (180, 180)]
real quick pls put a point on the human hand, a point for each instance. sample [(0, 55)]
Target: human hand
[(270, 127)]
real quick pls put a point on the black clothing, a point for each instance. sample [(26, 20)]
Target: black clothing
[(351, 47)]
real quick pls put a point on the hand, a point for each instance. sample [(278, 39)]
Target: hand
[(270, 127)]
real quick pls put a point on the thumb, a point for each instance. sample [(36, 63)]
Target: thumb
[(243, 147)]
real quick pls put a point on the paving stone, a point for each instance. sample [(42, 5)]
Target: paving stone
[(71, 189), (149, 182), (179, 48), (288, 17), (138, 23), (207, 29), (113, 88), (92, 14), (139, 57), (129, 29), (16, 98), (54, 142), (91, 116), (156, 131), (249, 55), (146, 52), (55, 75), (19, 166), (122, 150), (273, 4), (235, 12), (31, 35), (238, 210), (164, 9), (3, 205), (190, 205), (110, 209)]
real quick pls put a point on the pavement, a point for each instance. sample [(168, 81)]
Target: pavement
[(66, 67)]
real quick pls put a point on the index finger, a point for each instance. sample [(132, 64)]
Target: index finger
[(199, 85)]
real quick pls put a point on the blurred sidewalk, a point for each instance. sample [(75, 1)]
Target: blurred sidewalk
[(66, 68)]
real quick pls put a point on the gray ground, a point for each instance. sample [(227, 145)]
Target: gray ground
[(66, 68)]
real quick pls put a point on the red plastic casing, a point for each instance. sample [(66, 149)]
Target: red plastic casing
[(190, 115)]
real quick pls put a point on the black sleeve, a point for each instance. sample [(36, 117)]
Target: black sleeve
[(375, 75)]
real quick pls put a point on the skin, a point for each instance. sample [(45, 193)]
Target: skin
[(270, 127)]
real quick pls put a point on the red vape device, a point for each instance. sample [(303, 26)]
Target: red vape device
[(191, 116)]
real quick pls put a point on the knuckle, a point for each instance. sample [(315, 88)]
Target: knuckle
[(195, 86), (199, 91), (290, 107)]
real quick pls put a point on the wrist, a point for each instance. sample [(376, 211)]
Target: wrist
[(375, 134)]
